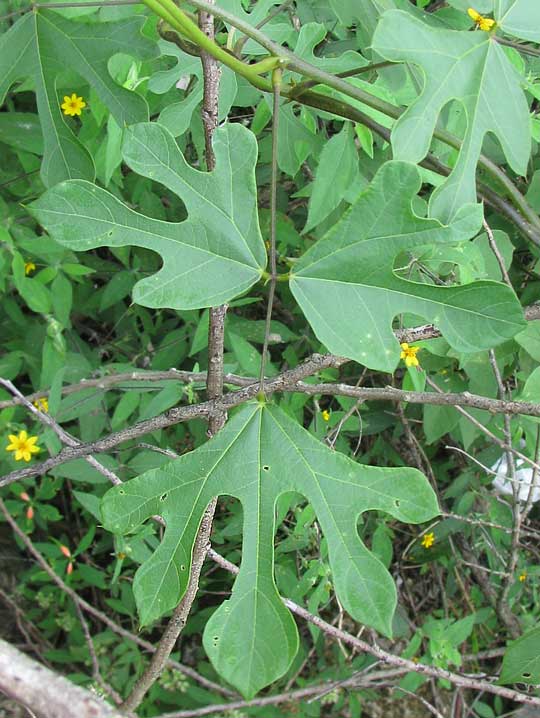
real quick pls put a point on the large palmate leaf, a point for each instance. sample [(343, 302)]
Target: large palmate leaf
[(43, 44), (213, 256), (467, 66), (259, 455), (350, 293)]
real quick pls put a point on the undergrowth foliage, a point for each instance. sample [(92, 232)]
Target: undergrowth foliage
[(272, 270)]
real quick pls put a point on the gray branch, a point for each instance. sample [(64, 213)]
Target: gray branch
[(44, 692)]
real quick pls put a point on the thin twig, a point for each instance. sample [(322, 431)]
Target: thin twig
[(287, 381), (424, 702), (504, 445), (96, 671), (270, 16), (374, 650), (498, 255), (276, 86), (411, 335)]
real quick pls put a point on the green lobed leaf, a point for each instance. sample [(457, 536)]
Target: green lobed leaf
[(521, 662), (350, 293), (470, 67), (261, 454), (41, 45), (212, 257)]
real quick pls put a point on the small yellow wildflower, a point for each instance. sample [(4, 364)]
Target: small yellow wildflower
[(325, 415), (29, 267), (72, 105), (23, 446), (42, 404), (409, 354), (523, 576), (428, 540), (481, 22)]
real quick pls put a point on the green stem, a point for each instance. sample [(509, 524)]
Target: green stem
[(180, 22), (279, 277)]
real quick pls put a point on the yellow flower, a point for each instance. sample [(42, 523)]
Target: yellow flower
[(325, 415), (409, 354), (484, 23), (29, 267), (523, 576), (428, 540), (23, 446), (42, 404), (72, 105)]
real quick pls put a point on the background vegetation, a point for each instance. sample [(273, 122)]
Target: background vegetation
[(296, 245)]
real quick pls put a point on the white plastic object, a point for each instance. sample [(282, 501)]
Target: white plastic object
[(524, 476)]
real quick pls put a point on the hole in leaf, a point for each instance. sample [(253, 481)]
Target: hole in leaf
[(266, 468), (526, 675), (397, 502), (109, 233), (182, 567), (163, 497), (121, 492)]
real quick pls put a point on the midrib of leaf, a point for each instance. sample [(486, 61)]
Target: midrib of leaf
[(257, 547), (148, 232)]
